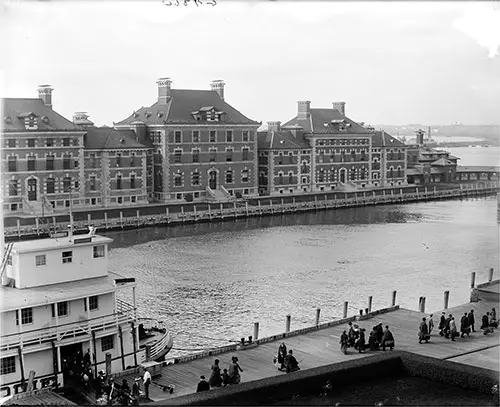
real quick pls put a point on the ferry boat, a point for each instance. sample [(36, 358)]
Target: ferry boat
[(58, 302)]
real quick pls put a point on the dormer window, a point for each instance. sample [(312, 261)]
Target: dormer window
[(7, 120), (31, 123)]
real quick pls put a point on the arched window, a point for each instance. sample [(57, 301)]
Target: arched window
[(177, 180), (195, 178), (229, 177), (67, 184)]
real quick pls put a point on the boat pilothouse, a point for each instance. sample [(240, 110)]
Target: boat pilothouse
[(58, 303)]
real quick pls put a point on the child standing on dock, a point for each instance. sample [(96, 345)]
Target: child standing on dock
[(344, 339)]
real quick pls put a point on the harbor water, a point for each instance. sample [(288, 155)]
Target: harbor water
[(210, 282)]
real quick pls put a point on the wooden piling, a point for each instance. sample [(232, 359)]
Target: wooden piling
[(89, 218), (106, 219), (255, 331), (490, 276), (346, 305), (209, 212), (393, 302), (446, 299), (288, 323), (138, 214), (37, 226), (221, 210), (318, 312), (121, 219), (421, 304), (370, 300), (473, 279), (182, 213), (246, 208)]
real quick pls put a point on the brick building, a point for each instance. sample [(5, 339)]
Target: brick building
[(324, 150), (50, 164), (203, 148)]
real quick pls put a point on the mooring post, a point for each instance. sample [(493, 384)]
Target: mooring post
[(288, 323), (194, 211), (473, 279), (318, 311), (346, 305), (490, 276), (138, 214), (221, 210), (182, 213), (89, 218), (446, 299), (209, 212), (260, 208), (370, 299), (246, 208), (121, 218), (422, 304), (394, 293), (166, 211), (255, 331), (37, 226), (106, 219)]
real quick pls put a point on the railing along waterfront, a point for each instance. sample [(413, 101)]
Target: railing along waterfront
[(217, 212), (70, 330)]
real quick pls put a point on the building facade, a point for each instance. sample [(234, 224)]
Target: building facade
[(323, 150), (203, 148), (51, 164)]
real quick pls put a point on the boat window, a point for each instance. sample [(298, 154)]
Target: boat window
[(8, 365), (98, 251), (107, 343), (26, 316), (40, 260), (67, 257), (93, 302)]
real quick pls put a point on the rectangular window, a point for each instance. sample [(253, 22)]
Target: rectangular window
[(66, 162), (244, 154), (196, 156), (177, 156), (31, 163), (31, 142), (118, 182), (229, 136), (12, 164), (26, 316), (62, 309), (40, 260), (229, 154), (195, 179), (132, 159), (12, 143), (92, 160), (213, 136), (107, 343), (245, 136), (118, 160), (66, 142), (66, 184), (178, 137), (49, 142), (132, 181), (244, 176), (92, 183), (8, 365), (99, 251), (67, 257), (93, 303), (13, 187), (213, 154), (49, 163), (196, 136)]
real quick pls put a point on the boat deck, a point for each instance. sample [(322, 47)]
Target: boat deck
[(322, 347)]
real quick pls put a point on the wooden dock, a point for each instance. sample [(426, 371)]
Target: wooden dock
[(321, 347)]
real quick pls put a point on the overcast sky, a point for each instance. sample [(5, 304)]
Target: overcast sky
[(392, 63)]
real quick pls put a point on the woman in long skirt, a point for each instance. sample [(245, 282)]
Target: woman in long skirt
[(215, 378)]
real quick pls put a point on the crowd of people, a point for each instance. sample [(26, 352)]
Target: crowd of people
[(355, 337), (108, 392), (219, 378)]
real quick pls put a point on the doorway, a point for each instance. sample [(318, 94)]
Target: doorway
[(32, 189), (342, 175), (72, 362), (212, 179)]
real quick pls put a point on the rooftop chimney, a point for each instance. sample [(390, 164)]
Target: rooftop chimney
[(340, 106), (218, 86), (45, 93), (273, 126), (304, 109), (163, 90)]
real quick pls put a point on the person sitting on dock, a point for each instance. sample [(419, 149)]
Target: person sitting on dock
[(423, 332), (387, 339), (470, 318), (202, 385), (464, 325), (493, 319), (344, 342), (291, 363)]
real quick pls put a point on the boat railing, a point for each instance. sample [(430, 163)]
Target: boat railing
[(123, 306), (158, 347), (64, 331), (152, 324)]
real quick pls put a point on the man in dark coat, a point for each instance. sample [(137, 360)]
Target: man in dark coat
[(423, 332), (387, 339), (380, 332), (202, 385), (447, 327), (442, 324), (282, 356), (464, 325), (470, 318)]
